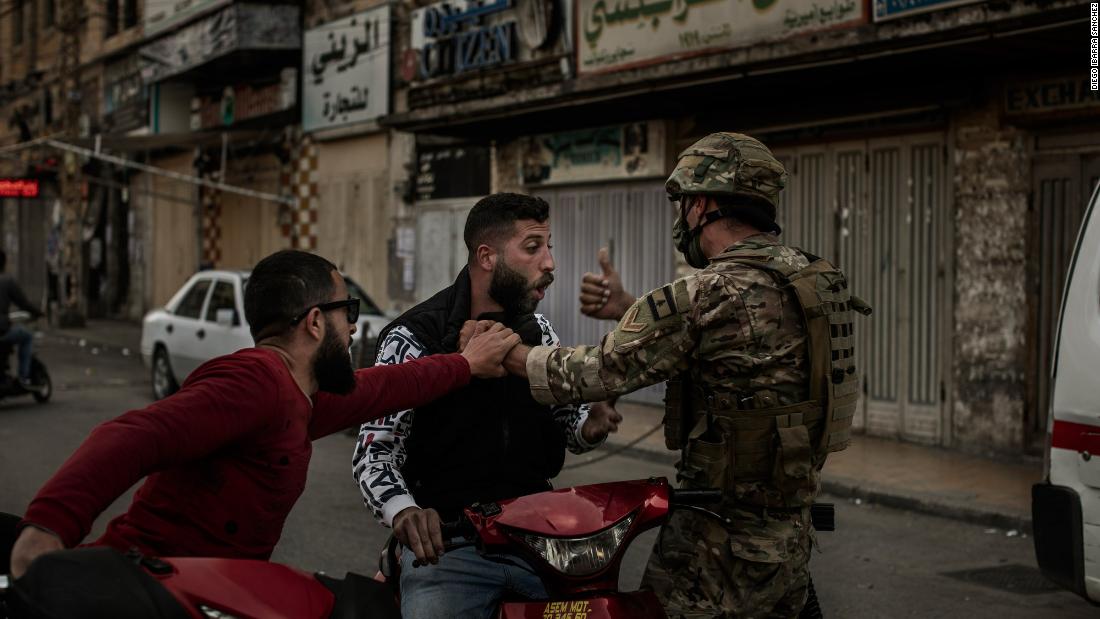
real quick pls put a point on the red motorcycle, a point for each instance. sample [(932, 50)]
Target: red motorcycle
[(100, 582), (574, 537)]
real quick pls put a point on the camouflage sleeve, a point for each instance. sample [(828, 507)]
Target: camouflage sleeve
[(652, 343)]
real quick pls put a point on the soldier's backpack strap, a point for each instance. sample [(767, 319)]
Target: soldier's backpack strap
[(828, 310)]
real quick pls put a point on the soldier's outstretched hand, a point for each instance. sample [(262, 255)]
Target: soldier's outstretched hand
[(486, 350), (602, 420), (602, 295)]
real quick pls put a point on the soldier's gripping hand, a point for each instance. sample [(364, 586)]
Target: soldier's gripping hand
[(486, 350), (419, 531), (602, 296)]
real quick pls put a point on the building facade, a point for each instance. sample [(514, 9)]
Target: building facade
[(940, 151)]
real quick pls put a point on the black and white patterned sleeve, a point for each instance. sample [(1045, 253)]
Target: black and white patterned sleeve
[(570, 417), (380, 449)]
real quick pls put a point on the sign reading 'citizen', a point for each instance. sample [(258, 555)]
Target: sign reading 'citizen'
[(453, 37)]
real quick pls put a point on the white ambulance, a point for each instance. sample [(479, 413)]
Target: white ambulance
[(1065, 506)]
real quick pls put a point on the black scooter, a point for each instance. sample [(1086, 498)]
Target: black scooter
[(40, 376)]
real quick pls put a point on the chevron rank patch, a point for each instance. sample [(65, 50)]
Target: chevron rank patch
[(662, 303)]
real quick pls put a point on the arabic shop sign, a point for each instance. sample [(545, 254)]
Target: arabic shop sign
[(245, 101), (346, 70), (620, 151), (238, 27), (618, 34), (451, 172), (889, 9), (160, 15), (453, 37)]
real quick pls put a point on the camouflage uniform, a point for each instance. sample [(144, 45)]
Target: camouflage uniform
[(723, 323), (759, 343)]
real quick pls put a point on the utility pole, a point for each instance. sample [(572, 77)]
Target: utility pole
[(73, 310)]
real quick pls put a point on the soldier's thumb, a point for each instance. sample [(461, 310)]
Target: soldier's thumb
[(605, 262)]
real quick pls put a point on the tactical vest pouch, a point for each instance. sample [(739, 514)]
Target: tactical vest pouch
[(705, 463), (679, 414), (793, 456)]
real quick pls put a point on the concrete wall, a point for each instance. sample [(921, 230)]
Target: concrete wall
[(992, 184)]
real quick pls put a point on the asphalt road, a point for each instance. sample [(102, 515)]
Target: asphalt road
[(880, 563)]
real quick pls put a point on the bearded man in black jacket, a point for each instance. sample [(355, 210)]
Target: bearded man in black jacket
[(487, 442)]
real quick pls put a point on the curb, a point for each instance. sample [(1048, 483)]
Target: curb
[(851, 489), (71, 339)]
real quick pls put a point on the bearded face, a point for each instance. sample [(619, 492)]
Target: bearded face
[(332, 365), (514, 292)]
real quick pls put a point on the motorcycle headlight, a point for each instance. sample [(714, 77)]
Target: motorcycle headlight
[(579, 556)]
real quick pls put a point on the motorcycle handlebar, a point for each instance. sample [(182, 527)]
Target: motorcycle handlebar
[(456, 528), (703, 496)]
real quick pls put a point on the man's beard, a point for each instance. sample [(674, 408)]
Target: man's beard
[(332, 365), (509, 288)]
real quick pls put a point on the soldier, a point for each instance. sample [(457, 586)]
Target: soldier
[(757, 348)]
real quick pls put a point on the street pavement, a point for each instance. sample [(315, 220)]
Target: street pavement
[(882, 562)]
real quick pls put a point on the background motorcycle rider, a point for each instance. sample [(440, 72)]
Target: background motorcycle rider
[(484, 443), (16, 335), (755, 407), (227, 455)]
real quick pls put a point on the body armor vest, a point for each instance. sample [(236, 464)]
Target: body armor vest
[(753, 437)]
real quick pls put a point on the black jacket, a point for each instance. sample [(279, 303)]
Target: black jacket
[(486, 442)]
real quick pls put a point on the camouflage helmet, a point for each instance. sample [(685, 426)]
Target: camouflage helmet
[(729, 164)]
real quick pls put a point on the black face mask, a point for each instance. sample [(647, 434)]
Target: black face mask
[(509, 288), (688, 241), (332, 366)]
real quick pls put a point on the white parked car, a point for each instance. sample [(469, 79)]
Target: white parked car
[(205, 319)]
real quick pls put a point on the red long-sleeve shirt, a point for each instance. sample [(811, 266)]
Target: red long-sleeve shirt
[(226, 457)]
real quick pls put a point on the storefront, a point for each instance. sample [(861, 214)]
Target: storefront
[(902, 128)]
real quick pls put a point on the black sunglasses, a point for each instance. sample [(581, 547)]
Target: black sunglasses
[(352, 306)]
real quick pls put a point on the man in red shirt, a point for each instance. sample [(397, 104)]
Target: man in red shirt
[(226, 457)]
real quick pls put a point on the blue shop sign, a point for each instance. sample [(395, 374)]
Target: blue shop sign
[(457, 36), (891, 9)]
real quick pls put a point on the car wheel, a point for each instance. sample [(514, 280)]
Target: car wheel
[(164, 382)]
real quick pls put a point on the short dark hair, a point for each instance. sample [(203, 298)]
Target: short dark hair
[(283, 285), (493, 218)]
